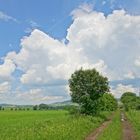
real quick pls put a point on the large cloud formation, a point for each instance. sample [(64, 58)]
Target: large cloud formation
[(111, 44)]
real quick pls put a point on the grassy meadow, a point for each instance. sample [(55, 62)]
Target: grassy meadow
[(134, 117), (46, 125)]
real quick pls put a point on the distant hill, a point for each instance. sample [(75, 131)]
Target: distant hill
[(7, 105), (64, 103), (15, 106)]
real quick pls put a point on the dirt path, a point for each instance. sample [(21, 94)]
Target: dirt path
[(128, 133), (98, 131)]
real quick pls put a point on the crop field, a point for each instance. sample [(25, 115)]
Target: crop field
[(134, 117), (46, 125)]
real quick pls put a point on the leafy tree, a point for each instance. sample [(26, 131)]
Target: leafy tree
[(130, 100), (86, 87), (43, 107), (35, 107), (19, 108), (108, 102), (137, 103), (127, 95), (0, 107)]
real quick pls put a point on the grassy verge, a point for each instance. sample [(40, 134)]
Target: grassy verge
[(46, 125), (134, 118), (114, 129)]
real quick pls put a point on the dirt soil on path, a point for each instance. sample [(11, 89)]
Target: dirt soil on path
[(97, 132), (128, 133)]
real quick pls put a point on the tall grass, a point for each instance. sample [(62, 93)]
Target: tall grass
[(46, 125), (113, 130), (134, 117)]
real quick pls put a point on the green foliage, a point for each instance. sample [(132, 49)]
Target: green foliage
[(74, 110), (127, 96), (2, 108), (130, 101), (43, 107), (107, 102), (35, 107), (138, 103), (86, 87)]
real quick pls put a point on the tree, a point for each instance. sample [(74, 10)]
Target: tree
[(35, 107), (108, 102), (19, 108), (127, 95), (86, 87), (138, 103), (130, 101), (11, 108), (43, 107)]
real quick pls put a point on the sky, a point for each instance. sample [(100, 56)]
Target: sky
[(43, 42)]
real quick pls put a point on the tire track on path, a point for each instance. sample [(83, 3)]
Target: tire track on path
[(99, 130), (128, 133)]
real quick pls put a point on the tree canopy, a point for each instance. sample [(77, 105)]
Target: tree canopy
[(130, 101), (43, 106), (108, 102), (86, 87)]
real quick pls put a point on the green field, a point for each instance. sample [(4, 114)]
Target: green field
[(46, 125), (114, 129), (134, 117)]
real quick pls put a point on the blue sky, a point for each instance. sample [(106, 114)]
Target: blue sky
[(52, 16), (57, 19)]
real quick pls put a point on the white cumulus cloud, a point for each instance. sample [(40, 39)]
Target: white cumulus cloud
[(108, 43), (120, 89), (5, 87), (37, 96), (6, 69)]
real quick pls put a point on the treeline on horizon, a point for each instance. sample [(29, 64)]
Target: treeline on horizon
[(41, 106)]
